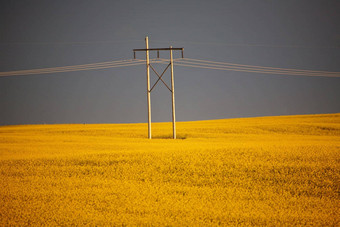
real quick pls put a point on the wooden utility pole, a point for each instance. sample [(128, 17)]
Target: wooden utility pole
[(148, 85), (172, 89), (173, 95)]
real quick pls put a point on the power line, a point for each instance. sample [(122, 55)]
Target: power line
[(252, 44), (252, 71), (255, 71), (69, 42), (187, 62), (251, 68), (180, 42), (92, 66)]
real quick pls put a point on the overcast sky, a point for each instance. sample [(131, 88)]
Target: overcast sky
[(299, 34)]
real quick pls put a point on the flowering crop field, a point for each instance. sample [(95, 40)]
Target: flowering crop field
[(253, 171)]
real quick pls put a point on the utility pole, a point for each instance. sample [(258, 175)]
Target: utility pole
[(148, 85), (173, 95), (172, 89)]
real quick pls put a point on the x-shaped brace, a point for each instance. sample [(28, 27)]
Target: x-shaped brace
[(160, 77)]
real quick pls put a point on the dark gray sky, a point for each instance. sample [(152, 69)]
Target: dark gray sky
[(300, 34)]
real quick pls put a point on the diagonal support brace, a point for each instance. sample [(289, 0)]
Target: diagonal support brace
[(160, 77)]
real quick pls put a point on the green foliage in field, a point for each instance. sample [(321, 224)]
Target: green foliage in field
[(256, 171)]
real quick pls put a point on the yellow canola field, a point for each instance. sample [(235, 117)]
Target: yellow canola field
[(253, 171)]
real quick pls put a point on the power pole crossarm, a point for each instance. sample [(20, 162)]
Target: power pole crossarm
[(157, 49)]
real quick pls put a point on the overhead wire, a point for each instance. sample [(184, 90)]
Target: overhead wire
[(197, 63), (69, 42), (252, 66), (92, 66), (187, 62), (262, 45), (255, 71)]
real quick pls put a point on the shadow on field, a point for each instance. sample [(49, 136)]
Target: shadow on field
[(180, 137)]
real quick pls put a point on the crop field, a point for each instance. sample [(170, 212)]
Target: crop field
[(254, 171)]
